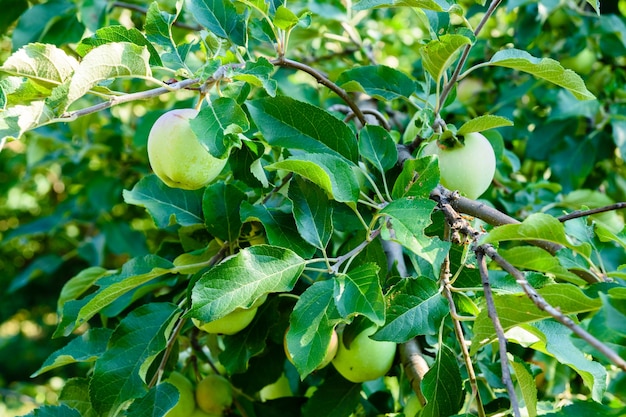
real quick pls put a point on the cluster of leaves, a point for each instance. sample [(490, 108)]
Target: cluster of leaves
[(317, 172)]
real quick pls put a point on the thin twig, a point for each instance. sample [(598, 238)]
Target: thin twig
[(458, 330), (542, 304), (114, 101), (322, 79), (464, 55), (502, 341), (582, 213)]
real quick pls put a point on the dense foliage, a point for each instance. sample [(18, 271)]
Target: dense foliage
[(327, 218)]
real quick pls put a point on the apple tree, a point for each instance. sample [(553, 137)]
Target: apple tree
[(313, 208)]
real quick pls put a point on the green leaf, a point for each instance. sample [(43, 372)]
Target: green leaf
[(335, 397), (134, 273), (293, 124), (257, 74), (218, 125), (331, 173), (517, 309), (417, 179), (280, 228), (537, 226), (75, 393), (377, 81), (167, 206), (243, 279), (311, 326), (587, 409), (120, 373), (359, 292), (439, 54), (159, 399), (221, 18), (85, 348), (409, 219), (46, 65), (436, 5), (556, 340), (546, 68), (442, 385), (118, 33), (158, 28), (112, 60), (378, 147), (80, 284), (54, 411), (527, 385), (416, 307), (482, 123), (537, 259), (37, 21), (19, 118), (312, 212), (284, 18), (221, 203)]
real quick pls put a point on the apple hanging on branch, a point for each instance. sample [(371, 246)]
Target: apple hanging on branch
[(176, 155), (467, 167)]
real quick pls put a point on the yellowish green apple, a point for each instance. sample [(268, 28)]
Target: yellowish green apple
[(278, 389), (176, 155), (364, 359), (214, 394), (186, 402), (468, 168), (233, 322)]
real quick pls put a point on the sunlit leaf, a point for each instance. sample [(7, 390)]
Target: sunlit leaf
[(439, 54), (377, 81)]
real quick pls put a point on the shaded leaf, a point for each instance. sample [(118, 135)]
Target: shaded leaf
[(119, 374), (442, 385), (221, 18), (335, 397), (158, 27), (167, 206), (157, 402), (537, 259), (311, 326), (417, 179), (54, 411), (75, 393), (377, 146), (280, 228), (84, 348), (416, 307), (312, 212), (221, 204), (378, 81), (359, 292), (257, 74), (218, 125)]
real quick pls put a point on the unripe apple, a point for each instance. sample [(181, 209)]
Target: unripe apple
[(582, 63), (365, 359), (469, 168), (233, 322), (331, 351), (176, 155), (186, 401), (413, 405), (278, 389), (214, 394)]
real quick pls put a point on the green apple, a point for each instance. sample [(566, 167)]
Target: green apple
[(200, 413), (365, 359), (331, 350), (186, 402), (214, 394), (468, 168), (278, 389), (413, 405), (582, 63), (176, 155), (233, 322)]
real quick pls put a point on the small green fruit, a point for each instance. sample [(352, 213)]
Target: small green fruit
[(176, 155), (365, 359), (233, 322), (186, 401), (214, 394), (331, 351), (413, 405), (278, 389), (469, 168)]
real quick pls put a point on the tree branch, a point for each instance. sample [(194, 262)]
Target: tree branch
[(583, 213)]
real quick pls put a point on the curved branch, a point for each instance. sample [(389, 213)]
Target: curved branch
[(583, 213), (322, 79)]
